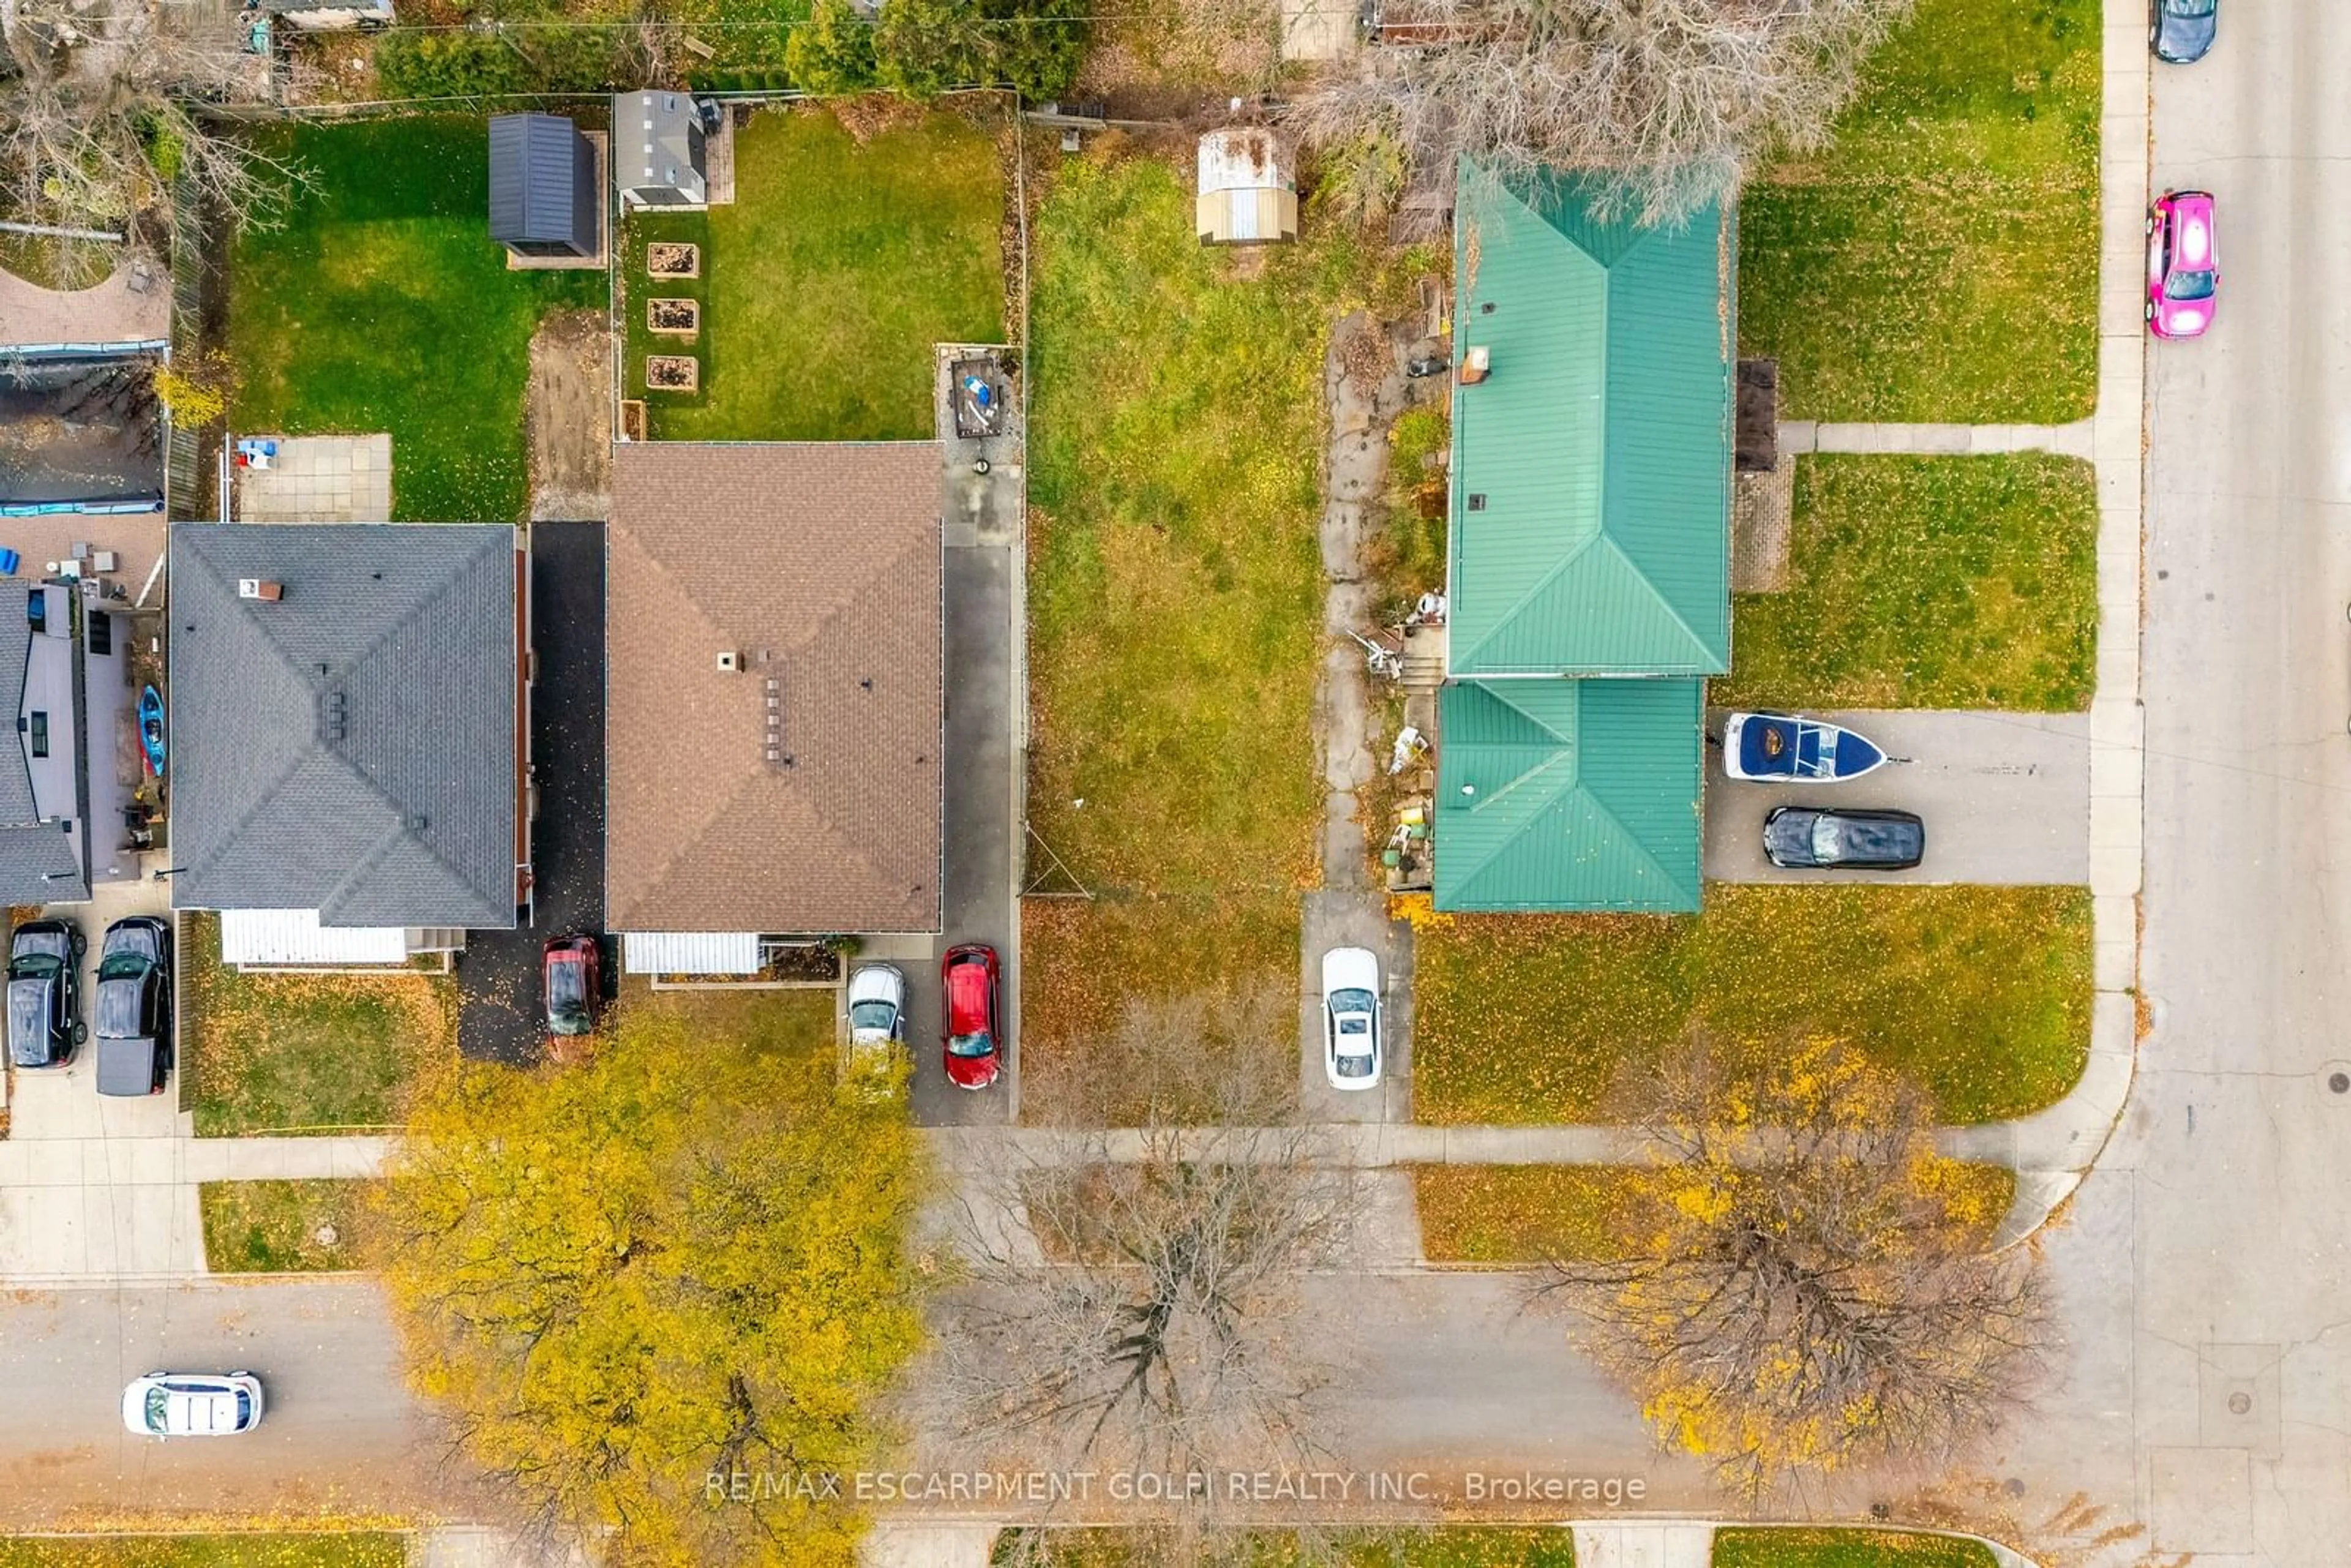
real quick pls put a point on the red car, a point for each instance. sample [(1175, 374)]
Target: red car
[(2183, 264), (974, 1041), (572, 968)]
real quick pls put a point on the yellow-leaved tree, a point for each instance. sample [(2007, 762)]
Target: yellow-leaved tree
[(659, 1295), (1804, 1284)]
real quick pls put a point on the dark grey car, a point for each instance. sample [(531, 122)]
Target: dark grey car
[(134, 1007), (1800, 838), (2183, 29), (45, 994)]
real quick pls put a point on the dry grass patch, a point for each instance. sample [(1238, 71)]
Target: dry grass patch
[(1510, 1216), (1981, 995), (1085, 964), (284, 1226), (311, 1052)]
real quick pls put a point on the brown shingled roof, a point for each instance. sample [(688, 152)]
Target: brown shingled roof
[(819, 564)]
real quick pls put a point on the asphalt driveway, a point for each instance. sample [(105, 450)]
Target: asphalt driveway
[(2005, 796), (982, 512), (499, 1015)]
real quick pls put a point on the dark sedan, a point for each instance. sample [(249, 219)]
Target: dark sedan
[(1800, 838), (45, 994), (134, 1007), (2183, 29)]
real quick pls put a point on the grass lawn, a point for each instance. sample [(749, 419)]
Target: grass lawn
[(1981, 995), (792, 1024), (1514, 1215), (382, 305), (1963, 583), (1939, 261), (304, 1053), (1174, 587), (272, 1227), (826, 282), (1446, 1546), (1844, 1549), (368, 1549)]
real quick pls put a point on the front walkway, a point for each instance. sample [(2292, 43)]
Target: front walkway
[(2075, 440)]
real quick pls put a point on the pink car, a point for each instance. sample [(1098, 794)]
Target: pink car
[(2183, 264)]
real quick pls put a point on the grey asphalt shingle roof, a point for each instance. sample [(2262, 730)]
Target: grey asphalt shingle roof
[(352, 747)]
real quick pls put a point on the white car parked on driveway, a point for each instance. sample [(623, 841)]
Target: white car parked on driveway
[(1352, 1047), (877, 1022), (192, 1403)]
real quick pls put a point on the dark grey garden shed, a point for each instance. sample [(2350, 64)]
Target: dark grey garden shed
[(543, 186)]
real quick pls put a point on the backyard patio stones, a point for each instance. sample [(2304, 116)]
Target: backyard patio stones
[(320, 480)]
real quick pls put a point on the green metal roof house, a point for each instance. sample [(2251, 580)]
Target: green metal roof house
[(1589, 564), (1569, 795)]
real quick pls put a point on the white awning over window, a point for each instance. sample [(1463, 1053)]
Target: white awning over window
[(690, 952), (295, 936)]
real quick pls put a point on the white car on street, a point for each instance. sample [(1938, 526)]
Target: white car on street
[(1352, 1047), (192, 1403), (877, 1023)]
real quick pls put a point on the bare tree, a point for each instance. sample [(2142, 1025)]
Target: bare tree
[(1808, 1286), (102, 108), (1670, 100), (1128, 1299)]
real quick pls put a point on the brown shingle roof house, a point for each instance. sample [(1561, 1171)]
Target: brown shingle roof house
[(774, 690)]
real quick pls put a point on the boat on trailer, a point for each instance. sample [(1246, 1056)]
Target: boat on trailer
[(1778, 746)]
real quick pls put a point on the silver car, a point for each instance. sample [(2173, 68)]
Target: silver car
[(877, 1023), (192, 1403)]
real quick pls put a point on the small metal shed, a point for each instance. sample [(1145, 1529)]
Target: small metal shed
[(543, 188), (658, 154), (1248, 192)]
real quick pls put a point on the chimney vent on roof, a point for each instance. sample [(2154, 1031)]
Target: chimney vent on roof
[(261, 588), (729, 661)]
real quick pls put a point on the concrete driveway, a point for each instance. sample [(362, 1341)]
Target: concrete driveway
[(342, 1435), (1345, 919), (2005, 796), (499, 1015), (94, 1185)]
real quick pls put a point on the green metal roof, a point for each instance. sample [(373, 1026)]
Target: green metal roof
[(1591, 527), (1583, 795)]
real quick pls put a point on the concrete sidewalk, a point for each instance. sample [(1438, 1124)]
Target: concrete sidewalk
[(2075, 440), (2005, 797)]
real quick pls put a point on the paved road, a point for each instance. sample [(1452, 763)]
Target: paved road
[(499, 1015), (2206, 1270), (341, 1436), (2005, 797)]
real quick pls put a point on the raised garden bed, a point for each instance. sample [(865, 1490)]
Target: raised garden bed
[(674, 317), (672, 259), (672, 373), (633, 419)]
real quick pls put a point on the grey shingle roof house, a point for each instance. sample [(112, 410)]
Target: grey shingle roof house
[(543, 188), (349, 720)]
